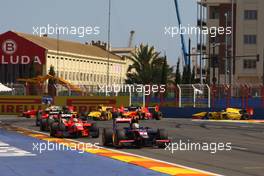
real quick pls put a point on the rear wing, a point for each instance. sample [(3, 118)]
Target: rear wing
[(54, 112), (66, 115), (147, 108), (120, 120)]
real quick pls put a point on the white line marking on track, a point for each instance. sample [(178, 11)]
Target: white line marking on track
[(239, 148), (8, 151), (173, 164)]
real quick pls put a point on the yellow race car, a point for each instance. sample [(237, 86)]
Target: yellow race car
[(227, 114), (101, 113)]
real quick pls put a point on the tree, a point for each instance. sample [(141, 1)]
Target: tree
[(52, 73), (32, 87), (52, 82), (146, 66), (32, 70), (164, 73), (193, 75), (187, 75), (178, 76)]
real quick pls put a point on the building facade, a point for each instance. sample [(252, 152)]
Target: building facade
[(237, 61), (80, 64)]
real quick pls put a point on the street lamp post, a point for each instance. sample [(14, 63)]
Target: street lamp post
[(263, 67), (108, 41), (214, 61), (226, 15)]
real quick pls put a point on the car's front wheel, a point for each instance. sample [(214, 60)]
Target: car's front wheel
[(107, 137), (94, 131)]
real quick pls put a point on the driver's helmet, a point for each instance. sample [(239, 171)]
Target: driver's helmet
[(75, 120), (135, 125)]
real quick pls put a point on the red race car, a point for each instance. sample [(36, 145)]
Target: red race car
[(47, 117), (143, 113), (30, 113), (70, 126)]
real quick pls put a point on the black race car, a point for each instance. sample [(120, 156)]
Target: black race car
[(127, 132)]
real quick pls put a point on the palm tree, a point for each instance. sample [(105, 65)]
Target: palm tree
[(52, 82), (146, 68)]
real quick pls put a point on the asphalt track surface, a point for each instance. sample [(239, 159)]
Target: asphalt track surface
[(245, 158), (18, 159)]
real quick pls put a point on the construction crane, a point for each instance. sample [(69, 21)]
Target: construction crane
[(184, 51), (42, 79), (130, 41)]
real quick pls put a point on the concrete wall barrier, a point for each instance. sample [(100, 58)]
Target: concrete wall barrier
[(174, 112), (15, 105)]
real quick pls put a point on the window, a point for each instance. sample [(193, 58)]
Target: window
[(250, 14), (101, 79), (214, 12), (250, 64), (250, 39), (80, 76), (77, 76)]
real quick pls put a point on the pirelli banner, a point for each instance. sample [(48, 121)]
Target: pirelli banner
[(15, 105), (86, 103)]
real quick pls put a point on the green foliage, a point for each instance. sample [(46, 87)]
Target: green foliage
[(52, 73), (193, 75), (32, 70), (178, 76), (148, 67)]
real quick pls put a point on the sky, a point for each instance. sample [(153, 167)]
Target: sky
[(148, 18)]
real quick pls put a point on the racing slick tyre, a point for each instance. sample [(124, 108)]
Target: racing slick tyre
[(94, 131), (37, 121), (139, 114), (208, 116), (41, 125), (62, 127), (38, 116), (50, 121), (162, 134), (224, 116), (116, 115), (244, 117), (107, 137), (157, 115), (118, 136), (52, 131)]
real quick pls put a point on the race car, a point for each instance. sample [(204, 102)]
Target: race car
[(69, 126), (53, 110), (101, 113), (143, 113), (127, 132), (45, 118), (30, 113), (227, 114)]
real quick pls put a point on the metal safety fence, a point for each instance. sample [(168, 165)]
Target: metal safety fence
[(182, 95)]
